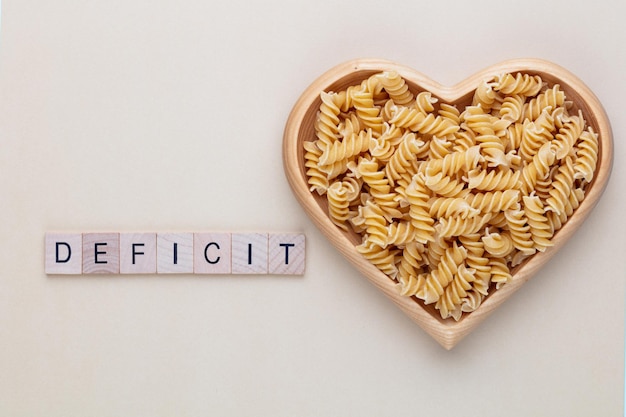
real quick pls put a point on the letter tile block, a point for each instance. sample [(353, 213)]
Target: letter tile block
[(64, 253), (249, 253), (287, 254), (138, 253), (212, 253), (174, 253), (101, 253)]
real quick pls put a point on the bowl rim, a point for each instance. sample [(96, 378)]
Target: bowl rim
[(447, 332)]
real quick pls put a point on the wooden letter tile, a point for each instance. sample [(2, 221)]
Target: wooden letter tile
[(64, 253), (138, 253), (249, 253), (212, 253), (286, 254), (101, 253), (174, 253)]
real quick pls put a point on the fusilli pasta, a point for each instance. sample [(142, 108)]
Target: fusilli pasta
[(447, 201)]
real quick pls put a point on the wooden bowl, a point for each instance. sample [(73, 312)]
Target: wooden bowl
[(300, 128)]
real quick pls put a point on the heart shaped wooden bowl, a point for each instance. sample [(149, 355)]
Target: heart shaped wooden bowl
[(300, 128)]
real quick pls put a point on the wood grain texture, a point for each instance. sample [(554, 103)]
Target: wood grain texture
[(300, 128), (212, 252), (174, 253), (101, 253), (287, 253), (249, 253), (64, 253), (138, 253)]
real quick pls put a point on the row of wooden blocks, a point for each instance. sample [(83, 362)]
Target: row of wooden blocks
[(175, 253)]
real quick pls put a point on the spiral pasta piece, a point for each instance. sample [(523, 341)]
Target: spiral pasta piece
[(540, 229), (349, 147), (520, 231), (457, 226), (410, 269), (400, 161), (568, 135), (477, 260), (396, 87), (378, 186), (327, 121), (417, 196), (375, 224), (424, 102), (400, 233), (484, 96), (493, 202), (479, 121), (424, 123), (535, 135), (317, 180), (382, 258), (439, 148), (498, 244), (436, 248), (552, 97), (438, 279), (450, 113), (522, 84), (350, 125), (538, 168), (445, 186), (449, 207), (338, 204), (493, 180), (512, 108), (455, 162), (500, 272), (449, 304), (561, 187), (383, 147), (363, 102), (514, 134), (557, 220), (471, 302), (586, 156)]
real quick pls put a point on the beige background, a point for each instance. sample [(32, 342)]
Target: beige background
[(168, 115)]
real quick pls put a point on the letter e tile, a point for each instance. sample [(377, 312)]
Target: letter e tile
[(101, 253)]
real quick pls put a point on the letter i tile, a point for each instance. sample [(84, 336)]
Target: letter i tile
[(249, 254), (174, 253)]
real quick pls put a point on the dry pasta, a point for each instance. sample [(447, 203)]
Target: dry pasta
[(447, 200)]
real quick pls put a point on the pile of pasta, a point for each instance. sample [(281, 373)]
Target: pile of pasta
[(449, 200)]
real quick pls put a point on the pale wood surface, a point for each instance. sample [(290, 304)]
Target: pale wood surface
[(300, 127), (249, 253), (174, 253), (212, 253), (101, 253), (143, 245), (286, 253), (70, 253)]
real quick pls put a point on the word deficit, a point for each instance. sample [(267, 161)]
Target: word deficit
[(174, 253)]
